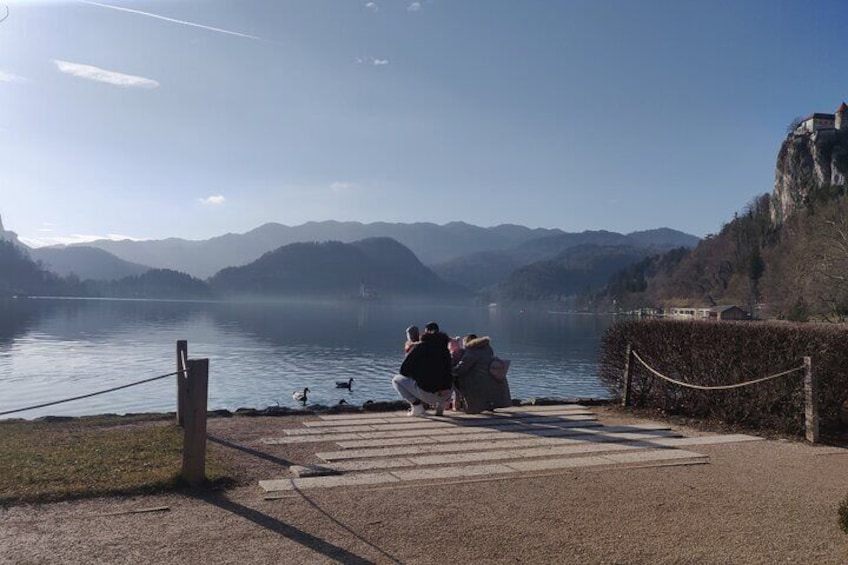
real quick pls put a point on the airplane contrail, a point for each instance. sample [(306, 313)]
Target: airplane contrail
[(172, 20)]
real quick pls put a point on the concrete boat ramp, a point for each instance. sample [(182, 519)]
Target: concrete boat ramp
[(392, 448)]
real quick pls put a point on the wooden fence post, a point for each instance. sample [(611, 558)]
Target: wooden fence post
[(194, 432), (182, 378), (811, 408), (628, 376)]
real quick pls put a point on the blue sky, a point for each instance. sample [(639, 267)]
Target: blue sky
[(178, 118)]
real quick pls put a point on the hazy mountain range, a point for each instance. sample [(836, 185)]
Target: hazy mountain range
[(508, 262), (484, 269), (432, 244)]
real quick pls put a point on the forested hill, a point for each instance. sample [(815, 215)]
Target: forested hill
[(574, 271), (20, 275), (334, 269)]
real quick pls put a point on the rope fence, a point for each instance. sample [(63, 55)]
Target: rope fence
[(192, 402), (717, 387), (89, 395), (811, 408)]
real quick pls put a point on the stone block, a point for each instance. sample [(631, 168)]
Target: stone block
[(451, 472), (312, 471)]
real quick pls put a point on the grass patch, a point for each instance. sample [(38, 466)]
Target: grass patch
[(843, 515), (42, 461)]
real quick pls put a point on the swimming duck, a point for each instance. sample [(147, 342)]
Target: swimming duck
[(300, 395), (345, 384)]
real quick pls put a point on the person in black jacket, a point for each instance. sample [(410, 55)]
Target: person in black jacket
[(425, 375)]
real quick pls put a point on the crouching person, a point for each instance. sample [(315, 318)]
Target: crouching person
[(474, 381), (425, 375)]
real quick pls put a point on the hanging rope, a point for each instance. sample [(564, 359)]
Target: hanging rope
[(719, 387), (46, 404)]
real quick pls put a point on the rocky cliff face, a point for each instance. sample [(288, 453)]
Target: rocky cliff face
[(805, 163), (8, 235)]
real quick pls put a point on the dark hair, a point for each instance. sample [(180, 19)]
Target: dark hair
[(431, 327), (469, 337), (412, 333)]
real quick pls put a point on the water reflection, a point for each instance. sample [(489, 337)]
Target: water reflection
[(260, 353), (17, 317)]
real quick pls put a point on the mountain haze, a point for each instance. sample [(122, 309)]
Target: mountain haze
[(574, 271), (86, 263), (481, 270), (431, 243)]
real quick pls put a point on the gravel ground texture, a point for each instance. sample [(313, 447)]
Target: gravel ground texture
[(772, 501)]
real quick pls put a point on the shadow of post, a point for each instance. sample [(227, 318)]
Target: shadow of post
[(282, 528), (250, 451), (288, 531)]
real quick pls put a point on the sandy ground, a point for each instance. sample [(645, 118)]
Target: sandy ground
[(764, 502)]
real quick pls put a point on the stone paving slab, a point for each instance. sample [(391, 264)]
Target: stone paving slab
[(393, 448), (427, 424), (437, 421), (451, 472), (482, 435), (482, 445), (508, 410), (308, 439), (441, 473), (333, 481), (453, 420), (643, 456), (471, 457), (370, 439), (707, 440)]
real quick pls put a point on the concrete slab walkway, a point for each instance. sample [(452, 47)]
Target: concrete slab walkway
[(393, 448)]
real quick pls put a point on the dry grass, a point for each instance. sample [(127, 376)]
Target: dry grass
[(55, 460)]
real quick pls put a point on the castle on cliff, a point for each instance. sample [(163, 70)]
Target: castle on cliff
[(821, 122)]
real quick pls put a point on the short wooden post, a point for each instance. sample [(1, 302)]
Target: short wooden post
[(194, 432), (628, 376), (182, 377), (811, 408)]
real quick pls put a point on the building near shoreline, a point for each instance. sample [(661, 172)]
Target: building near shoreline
[(728, 313), (716, 313)]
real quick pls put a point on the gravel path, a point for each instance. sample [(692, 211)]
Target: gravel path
[(764, 502)]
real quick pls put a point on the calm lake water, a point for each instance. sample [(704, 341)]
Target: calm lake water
[(259, 354)]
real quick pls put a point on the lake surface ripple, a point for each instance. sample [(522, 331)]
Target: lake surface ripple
[(260, 353)]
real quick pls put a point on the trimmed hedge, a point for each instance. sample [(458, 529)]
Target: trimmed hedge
[(721, 353)]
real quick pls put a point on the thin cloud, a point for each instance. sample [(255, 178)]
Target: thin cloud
[(340, 186), (173, 20), (215, 200), (414, 7), (10, 77), (371, 60), (372, 6), (102, 75)]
